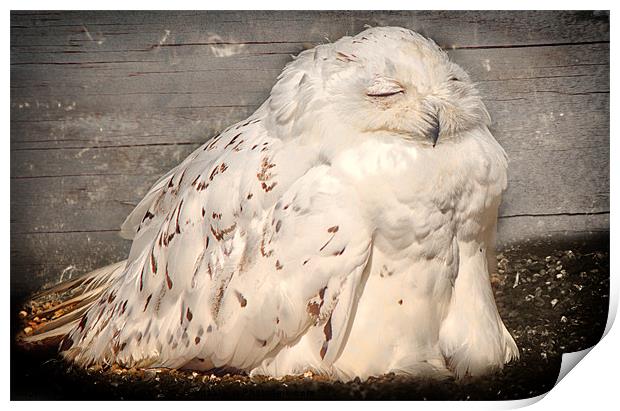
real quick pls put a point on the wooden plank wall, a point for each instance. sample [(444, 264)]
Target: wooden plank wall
[(103, 103)]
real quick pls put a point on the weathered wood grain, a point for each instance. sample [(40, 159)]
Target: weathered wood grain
[(103, 103), (448, 28), (38, 259), (523, 228)]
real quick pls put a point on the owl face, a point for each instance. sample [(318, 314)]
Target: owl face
[(392, 80), (386, 81)]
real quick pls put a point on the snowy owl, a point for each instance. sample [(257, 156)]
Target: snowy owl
[(347, 228)]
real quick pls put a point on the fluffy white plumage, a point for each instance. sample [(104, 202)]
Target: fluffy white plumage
[(346, 227)]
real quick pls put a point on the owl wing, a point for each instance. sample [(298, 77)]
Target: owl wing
[(236, 252), (302, 266), (165, 195), (171, 230)]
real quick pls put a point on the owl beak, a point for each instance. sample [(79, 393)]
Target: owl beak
[(433, 132)]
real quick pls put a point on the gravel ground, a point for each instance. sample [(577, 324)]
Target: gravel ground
[(553, 297)]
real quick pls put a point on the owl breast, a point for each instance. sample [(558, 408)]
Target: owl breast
[(422, 202), (416, 193)]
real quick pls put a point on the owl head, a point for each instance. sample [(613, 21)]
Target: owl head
[(385, 81)]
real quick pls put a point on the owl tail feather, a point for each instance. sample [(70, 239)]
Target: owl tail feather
[(56, 310)]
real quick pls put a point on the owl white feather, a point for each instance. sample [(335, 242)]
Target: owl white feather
[(346, 227)]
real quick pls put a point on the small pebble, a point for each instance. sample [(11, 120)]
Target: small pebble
[(28, 330), (554, 302), (23, 314), (563, 319)]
